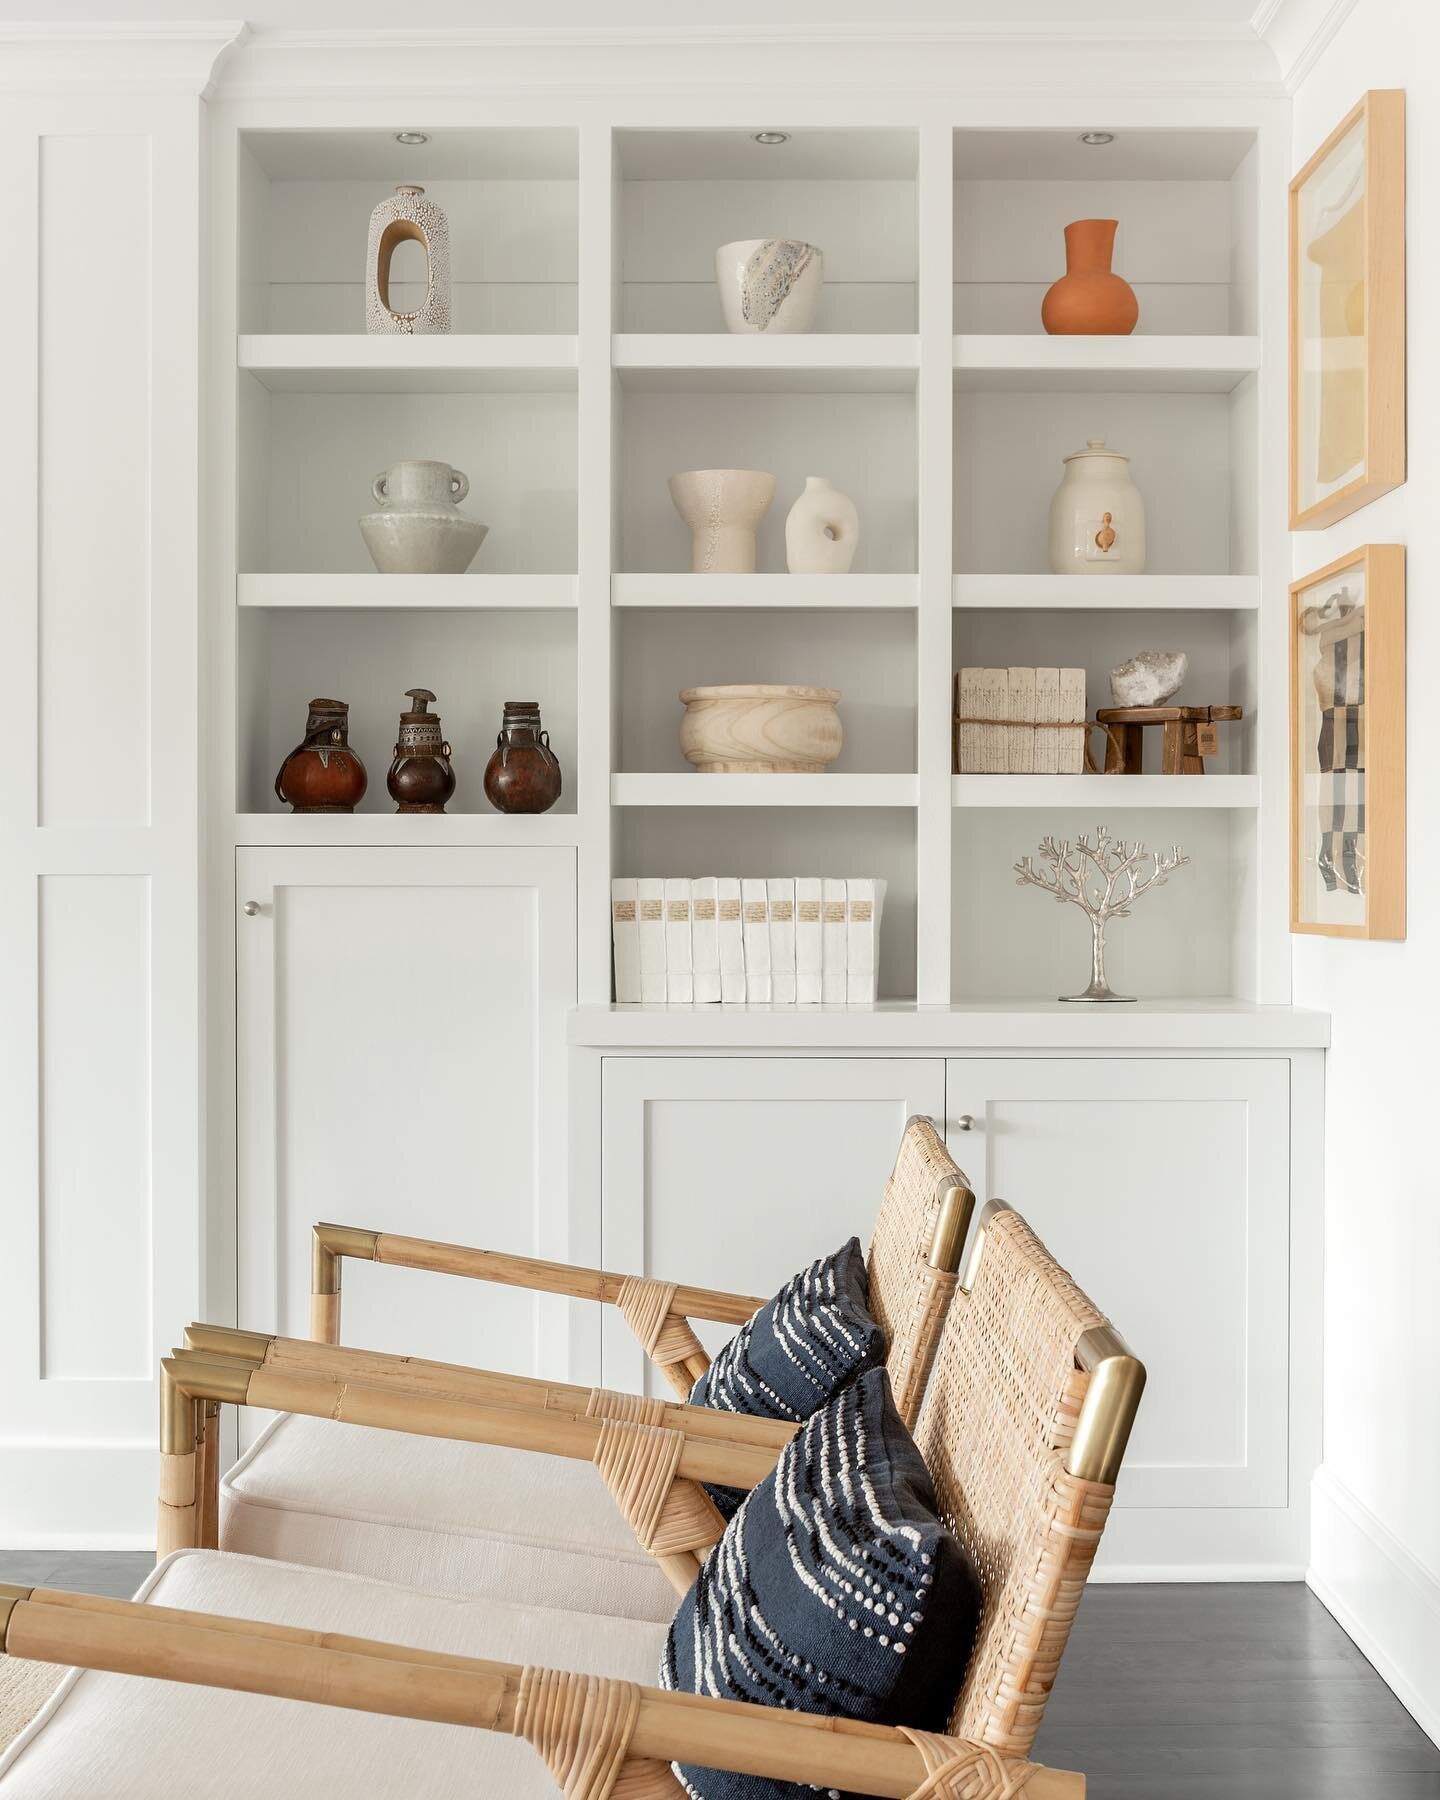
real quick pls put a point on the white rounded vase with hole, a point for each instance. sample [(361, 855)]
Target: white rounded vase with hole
[(407, 217), (822, 530)]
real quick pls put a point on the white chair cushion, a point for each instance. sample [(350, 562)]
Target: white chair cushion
[(118, 1737), (467, 1519)]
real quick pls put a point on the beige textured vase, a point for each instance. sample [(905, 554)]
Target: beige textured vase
[(722, 507), (760, 730), (822, 530)]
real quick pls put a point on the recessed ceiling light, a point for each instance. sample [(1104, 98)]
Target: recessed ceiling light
[(771, 137), (412, 137), (1097, 137)]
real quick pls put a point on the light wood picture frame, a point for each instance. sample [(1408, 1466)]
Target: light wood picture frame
[(1347, 746), (1347, 316)]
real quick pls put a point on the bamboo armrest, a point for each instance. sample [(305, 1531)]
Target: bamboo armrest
[(654, 1459), (332, 1242), (417, 1375), (326, 1668)]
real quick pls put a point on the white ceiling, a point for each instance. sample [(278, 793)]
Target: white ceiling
[(657, 15)]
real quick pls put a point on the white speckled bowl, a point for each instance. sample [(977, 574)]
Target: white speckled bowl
[(769, 284)]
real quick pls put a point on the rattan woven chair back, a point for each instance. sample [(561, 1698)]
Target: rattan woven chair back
[(1024, 1423), (914, 1257)]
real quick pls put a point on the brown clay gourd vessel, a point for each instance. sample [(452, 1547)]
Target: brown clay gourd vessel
[(421, 779), (1089, 299), (523, 776), (322, 774)]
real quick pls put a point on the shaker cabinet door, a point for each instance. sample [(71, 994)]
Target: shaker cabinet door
[(401, 1068), (1163, 1186), (734, 1172)]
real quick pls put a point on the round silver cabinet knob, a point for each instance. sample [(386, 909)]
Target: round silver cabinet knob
[(250, 908), (966, 1122)]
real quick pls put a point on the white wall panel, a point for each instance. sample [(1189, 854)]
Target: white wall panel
[(94, 478), (95, 1202)]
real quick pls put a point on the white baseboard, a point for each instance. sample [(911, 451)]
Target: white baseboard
[(1190, 1572), (1382, 1598), (77, 1540)]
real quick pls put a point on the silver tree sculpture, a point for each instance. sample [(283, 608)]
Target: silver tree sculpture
[(1105, 879)]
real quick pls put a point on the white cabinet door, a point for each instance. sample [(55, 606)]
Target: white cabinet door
[(734, 1172), (100, 1144), (1163, 1186), (401, 1067)]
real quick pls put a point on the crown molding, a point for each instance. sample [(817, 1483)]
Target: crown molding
[(79, 57), (1297, 32), (1149, 61)]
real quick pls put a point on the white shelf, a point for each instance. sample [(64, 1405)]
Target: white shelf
[(1231, 792), (1036, 363), (408, 593), (829, 789), (824, 362), (354, 363), (1110, 593), (484, 829), (768, 592), (1181, 1024)]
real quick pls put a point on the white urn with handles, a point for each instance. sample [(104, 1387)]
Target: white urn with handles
[(420, 529), (1097, 518), (822, 529)]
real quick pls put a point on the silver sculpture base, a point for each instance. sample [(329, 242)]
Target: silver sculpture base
[(1102, 996)]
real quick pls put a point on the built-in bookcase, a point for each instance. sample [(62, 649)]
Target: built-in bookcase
[(589, 362)]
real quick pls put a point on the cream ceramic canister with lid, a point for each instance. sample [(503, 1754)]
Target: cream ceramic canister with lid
[(1097, 518)]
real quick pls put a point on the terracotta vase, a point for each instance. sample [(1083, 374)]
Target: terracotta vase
[(523, 776), (322, 774), (1090, 299), (421, 779)]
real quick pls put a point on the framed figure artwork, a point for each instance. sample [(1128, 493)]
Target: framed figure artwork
[(1347, 746), (1347, 316)]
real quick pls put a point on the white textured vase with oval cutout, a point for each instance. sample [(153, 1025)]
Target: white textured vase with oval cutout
[(822, 530), (769, 284), (755, 729), (722, 507), (407, 216)]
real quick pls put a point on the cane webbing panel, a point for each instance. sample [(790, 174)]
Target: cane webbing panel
[(959, 1771), (666, 1337), (908, 1298), (997, 1419), (638, 1463), (581, 1726)]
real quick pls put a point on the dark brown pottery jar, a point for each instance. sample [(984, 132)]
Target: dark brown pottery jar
[(323, 774), (523, 776), (421, 779)]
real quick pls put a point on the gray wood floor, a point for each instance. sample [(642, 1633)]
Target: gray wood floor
[(1167, 1693)]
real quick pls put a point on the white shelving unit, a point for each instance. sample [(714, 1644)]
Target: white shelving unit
[(590, 362)]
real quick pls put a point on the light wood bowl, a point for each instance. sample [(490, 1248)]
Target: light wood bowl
[(760, 730)]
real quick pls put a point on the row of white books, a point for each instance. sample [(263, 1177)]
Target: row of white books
[(786, 939), (1026, 706)]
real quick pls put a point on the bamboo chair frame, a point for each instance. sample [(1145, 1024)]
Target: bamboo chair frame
[(1024, 1428), (927, 1201)]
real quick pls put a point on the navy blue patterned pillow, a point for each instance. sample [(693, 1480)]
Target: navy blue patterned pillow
[(798, 1350), (835, 1589)]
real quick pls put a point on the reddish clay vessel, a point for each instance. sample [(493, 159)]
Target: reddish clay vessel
[(1089, 299), (523, 776), (421, 779), (322, 774)]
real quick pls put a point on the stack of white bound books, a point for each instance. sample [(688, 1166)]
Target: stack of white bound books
[(783, 940)]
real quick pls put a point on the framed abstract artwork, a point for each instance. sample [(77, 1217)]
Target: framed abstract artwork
[(1347, 746), (1347, 316)]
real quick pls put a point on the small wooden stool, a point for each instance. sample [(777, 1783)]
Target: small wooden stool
[(1188, 736)]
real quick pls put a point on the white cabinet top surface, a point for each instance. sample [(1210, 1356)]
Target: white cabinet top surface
[(902, 1025)]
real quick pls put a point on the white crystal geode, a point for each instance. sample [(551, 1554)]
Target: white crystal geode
[(1149, 678)]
